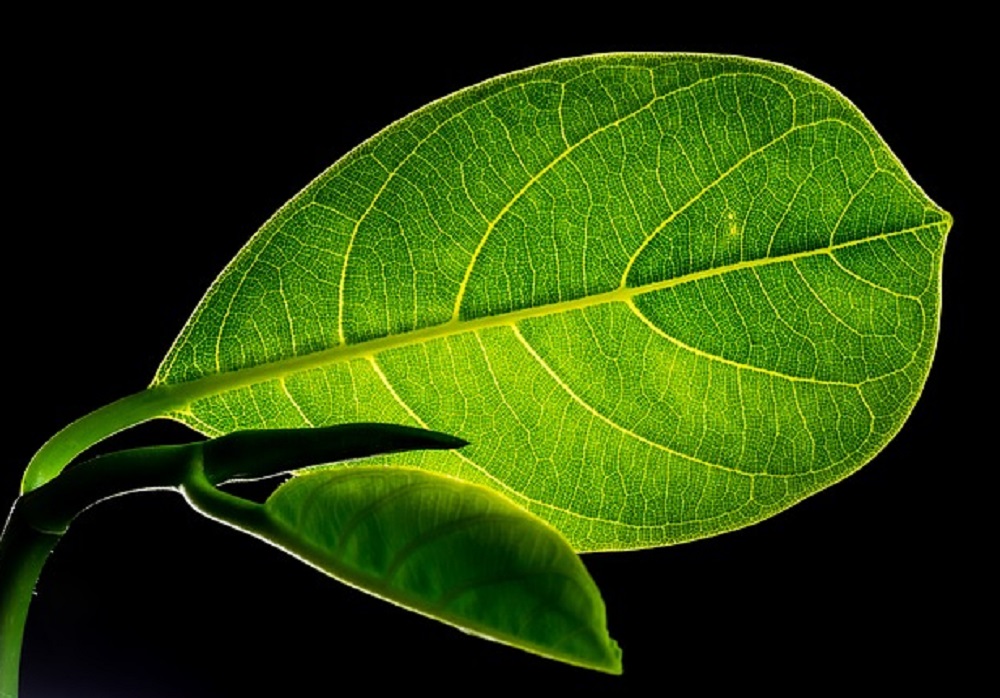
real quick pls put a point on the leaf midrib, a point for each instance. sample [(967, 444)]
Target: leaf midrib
[(211, 384), (455, 325)]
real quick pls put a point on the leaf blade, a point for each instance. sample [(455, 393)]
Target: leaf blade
[(456, 552), (727, 193)]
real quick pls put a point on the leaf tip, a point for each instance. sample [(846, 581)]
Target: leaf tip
[(455, 442), (614, 659), (441, 440)]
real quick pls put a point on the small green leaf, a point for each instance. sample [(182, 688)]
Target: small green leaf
[(451, 550)]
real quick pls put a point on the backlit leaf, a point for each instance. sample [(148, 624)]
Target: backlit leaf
[(663, 296)]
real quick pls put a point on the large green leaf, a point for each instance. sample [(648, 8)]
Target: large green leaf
[(663, 296), (451, 550)]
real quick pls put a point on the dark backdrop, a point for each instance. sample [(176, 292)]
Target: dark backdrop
[(142, 164)]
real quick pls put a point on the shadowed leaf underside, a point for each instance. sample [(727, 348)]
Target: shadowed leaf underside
[(457, 552)]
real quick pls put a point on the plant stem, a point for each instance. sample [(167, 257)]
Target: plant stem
[(74, 439), (23, 551), (42, 515), (40, 518)]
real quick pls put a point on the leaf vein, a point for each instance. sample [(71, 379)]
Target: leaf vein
[(736, 364), (628, 432)]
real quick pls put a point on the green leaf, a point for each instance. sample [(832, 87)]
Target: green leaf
[(663, 296), (450, 550)]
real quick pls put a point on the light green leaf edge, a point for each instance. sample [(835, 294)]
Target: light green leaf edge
[(453, 551), (630, 486)]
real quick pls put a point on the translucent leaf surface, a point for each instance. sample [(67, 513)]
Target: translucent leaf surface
[(663, 296), (451, 550)]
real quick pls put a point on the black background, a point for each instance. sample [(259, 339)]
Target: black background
[(142, 164)]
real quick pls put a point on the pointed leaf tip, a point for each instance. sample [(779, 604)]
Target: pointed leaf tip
[(259, 453)]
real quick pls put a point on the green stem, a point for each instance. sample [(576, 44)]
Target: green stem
[(220, 506), (40, 518), (23, 551), (74, 439), (54, 505), (43, 514)]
